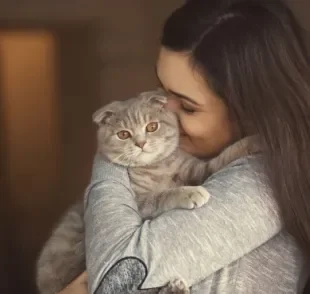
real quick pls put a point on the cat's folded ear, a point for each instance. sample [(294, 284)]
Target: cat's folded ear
[(158, 98), (158, 101), (104, 114), (160, 91)]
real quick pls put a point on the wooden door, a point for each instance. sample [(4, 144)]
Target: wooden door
[(47, 94)]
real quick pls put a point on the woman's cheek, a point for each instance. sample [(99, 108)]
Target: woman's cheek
[(188, 125), (193, 126), (182, 124)]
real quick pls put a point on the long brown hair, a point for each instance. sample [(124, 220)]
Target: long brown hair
[(253, 56)]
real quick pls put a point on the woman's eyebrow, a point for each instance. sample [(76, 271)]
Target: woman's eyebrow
[(182, 96)]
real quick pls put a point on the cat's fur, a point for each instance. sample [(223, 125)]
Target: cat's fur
[(162, 176)]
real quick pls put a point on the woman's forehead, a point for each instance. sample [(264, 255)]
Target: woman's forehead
[(173, 67), (176, 74)]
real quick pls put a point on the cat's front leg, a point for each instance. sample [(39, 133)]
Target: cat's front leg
[(191, 171), (244, 147), (186, 197)]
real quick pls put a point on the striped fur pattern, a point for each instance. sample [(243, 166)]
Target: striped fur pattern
[(162, 176)]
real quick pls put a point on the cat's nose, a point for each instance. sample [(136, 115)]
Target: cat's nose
[(140, 144)]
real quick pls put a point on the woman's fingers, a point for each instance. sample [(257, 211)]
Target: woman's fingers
[(82, 277), (77, 286)]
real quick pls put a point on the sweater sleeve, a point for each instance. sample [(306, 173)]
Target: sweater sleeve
[(240, 216)]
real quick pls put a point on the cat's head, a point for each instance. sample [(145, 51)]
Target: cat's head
[(137, 132)]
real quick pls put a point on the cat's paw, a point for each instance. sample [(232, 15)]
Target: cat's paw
[(191, 197), (176, 286), (186, 197)]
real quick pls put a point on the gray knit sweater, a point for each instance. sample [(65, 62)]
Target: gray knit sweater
[(233, 244)]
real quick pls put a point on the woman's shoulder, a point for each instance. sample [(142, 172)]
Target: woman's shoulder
[(244, 169)]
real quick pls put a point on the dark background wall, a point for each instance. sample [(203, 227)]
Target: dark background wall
[(59, 62)]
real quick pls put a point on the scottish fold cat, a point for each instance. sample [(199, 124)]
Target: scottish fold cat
[(142, 135)]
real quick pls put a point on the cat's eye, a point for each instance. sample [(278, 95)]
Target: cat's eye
[(123, 135), (152, 127)]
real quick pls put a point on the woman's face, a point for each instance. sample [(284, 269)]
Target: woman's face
[(205, 122)]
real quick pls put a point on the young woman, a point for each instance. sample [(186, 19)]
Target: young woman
[(232, 69)]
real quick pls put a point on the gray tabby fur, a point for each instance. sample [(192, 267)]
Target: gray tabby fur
[(162, 176)]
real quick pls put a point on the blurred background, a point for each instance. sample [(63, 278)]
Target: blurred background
[(59, 62)]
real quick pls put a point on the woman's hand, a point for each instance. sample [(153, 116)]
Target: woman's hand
[(77, 286)]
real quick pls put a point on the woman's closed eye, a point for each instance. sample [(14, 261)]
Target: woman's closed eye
[(187, 109)]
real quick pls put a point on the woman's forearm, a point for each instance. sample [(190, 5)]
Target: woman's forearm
[(187, 244)]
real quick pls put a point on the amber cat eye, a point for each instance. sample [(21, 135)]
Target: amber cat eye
[(152, 127), (123, 135)]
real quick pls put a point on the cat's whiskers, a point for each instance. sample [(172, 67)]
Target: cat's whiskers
[(165, 143), (120, 157), (116, 158), (124, 155), (130, 160), (127, 157)]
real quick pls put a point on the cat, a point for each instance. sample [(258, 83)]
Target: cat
[(142, 135)]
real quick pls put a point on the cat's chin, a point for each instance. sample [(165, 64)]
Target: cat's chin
[(144, 158), (150, 158)]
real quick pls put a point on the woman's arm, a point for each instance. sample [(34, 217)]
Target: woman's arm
[(240, 216)]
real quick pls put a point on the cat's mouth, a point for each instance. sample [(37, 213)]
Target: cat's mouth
[(146, 149), (143, 151)]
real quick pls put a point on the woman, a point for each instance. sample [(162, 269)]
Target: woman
[(231, 70)]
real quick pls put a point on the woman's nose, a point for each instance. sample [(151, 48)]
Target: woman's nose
[(172, 104)]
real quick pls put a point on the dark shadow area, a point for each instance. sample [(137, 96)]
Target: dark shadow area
[(25, 225)]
